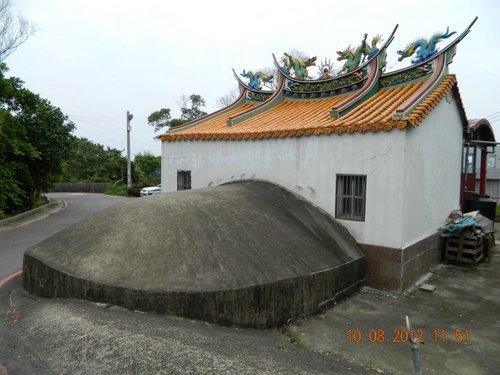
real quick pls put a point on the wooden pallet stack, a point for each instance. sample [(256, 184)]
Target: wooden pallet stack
[(466, 247)]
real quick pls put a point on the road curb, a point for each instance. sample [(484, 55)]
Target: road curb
[(54, 206)]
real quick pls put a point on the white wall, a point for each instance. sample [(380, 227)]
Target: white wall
[(413, 175), (432, 155), (308, 166)]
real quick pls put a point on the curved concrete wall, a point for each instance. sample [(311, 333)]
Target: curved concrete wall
[(247, 254), (257, 306)]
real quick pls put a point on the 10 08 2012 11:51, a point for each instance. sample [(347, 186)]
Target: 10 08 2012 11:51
[(356, 335)]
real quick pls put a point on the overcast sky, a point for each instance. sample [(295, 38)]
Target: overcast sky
[(97, 59)]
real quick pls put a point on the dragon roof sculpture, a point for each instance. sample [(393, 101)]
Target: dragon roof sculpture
[(294, 65), (297, 64), (354, 57), (423, 49), (347, 100), (257, 79)]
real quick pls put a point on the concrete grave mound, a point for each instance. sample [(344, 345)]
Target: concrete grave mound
[(248, 253)]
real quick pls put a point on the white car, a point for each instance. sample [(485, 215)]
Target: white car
[(151, 190)]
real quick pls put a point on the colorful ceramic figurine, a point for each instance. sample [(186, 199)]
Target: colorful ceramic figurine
[(423, 48), (356, 56), (325, 69), (255, 80), (299, 65)]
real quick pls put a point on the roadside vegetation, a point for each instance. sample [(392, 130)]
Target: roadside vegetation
[(90, 162), (34, 137), (38, 147)]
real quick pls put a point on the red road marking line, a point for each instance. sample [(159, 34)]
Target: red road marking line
[(4, 281), (3, 370)]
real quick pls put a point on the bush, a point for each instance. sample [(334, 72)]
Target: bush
[(117, 189), (134, 192), (122, 190)]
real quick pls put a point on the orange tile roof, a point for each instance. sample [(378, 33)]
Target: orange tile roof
[(293, 118), (216, 122)]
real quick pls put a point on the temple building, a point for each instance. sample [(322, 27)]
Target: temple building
[(381, 152)]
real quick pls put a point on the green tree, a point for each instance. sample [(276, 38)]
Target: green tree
[(159, 119), (49, 132), (190, 108), (14, 147), (192, 112), (35, 138), (92, 162), (150, 165)]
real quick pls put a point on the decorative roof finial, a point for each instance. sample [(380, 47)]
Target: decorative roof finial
[(325, 69), (298, 64), (356, 56), (423, 48), (257, 79)]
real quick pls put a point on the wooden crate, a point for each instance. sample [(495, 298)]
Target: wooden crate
[(466, 247)]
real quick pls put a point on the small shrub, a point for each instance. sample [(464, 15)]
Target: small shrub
[(117, 189), (134, 192), (289, 332)]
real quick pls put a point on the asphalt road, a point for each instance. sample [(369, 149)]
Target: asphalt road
[(15, 241)]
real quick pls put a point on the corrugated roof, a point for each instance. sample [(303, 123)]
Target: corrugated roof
[(292, 118)]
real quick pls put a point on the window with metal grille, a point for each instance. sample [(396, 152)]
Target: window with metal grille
[(351, 197), (183, 180)]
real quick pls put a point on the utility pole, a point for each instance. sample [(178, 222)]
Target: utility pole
[(129, 167)]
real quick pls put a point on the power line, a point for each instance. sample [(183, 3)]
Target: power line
[(496, 114), (98, 127), (97, 118), (151, 145), (493, 118), (75, 119), (114, 132), (98, 135)]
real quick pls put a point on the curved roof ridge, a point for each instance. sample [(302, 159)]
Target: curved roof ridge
[(441, 52), (481, 129), (371, 81), (372, 103), (380, 118), (238, 101), (426, 88), (240, 82), (275, 98)]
